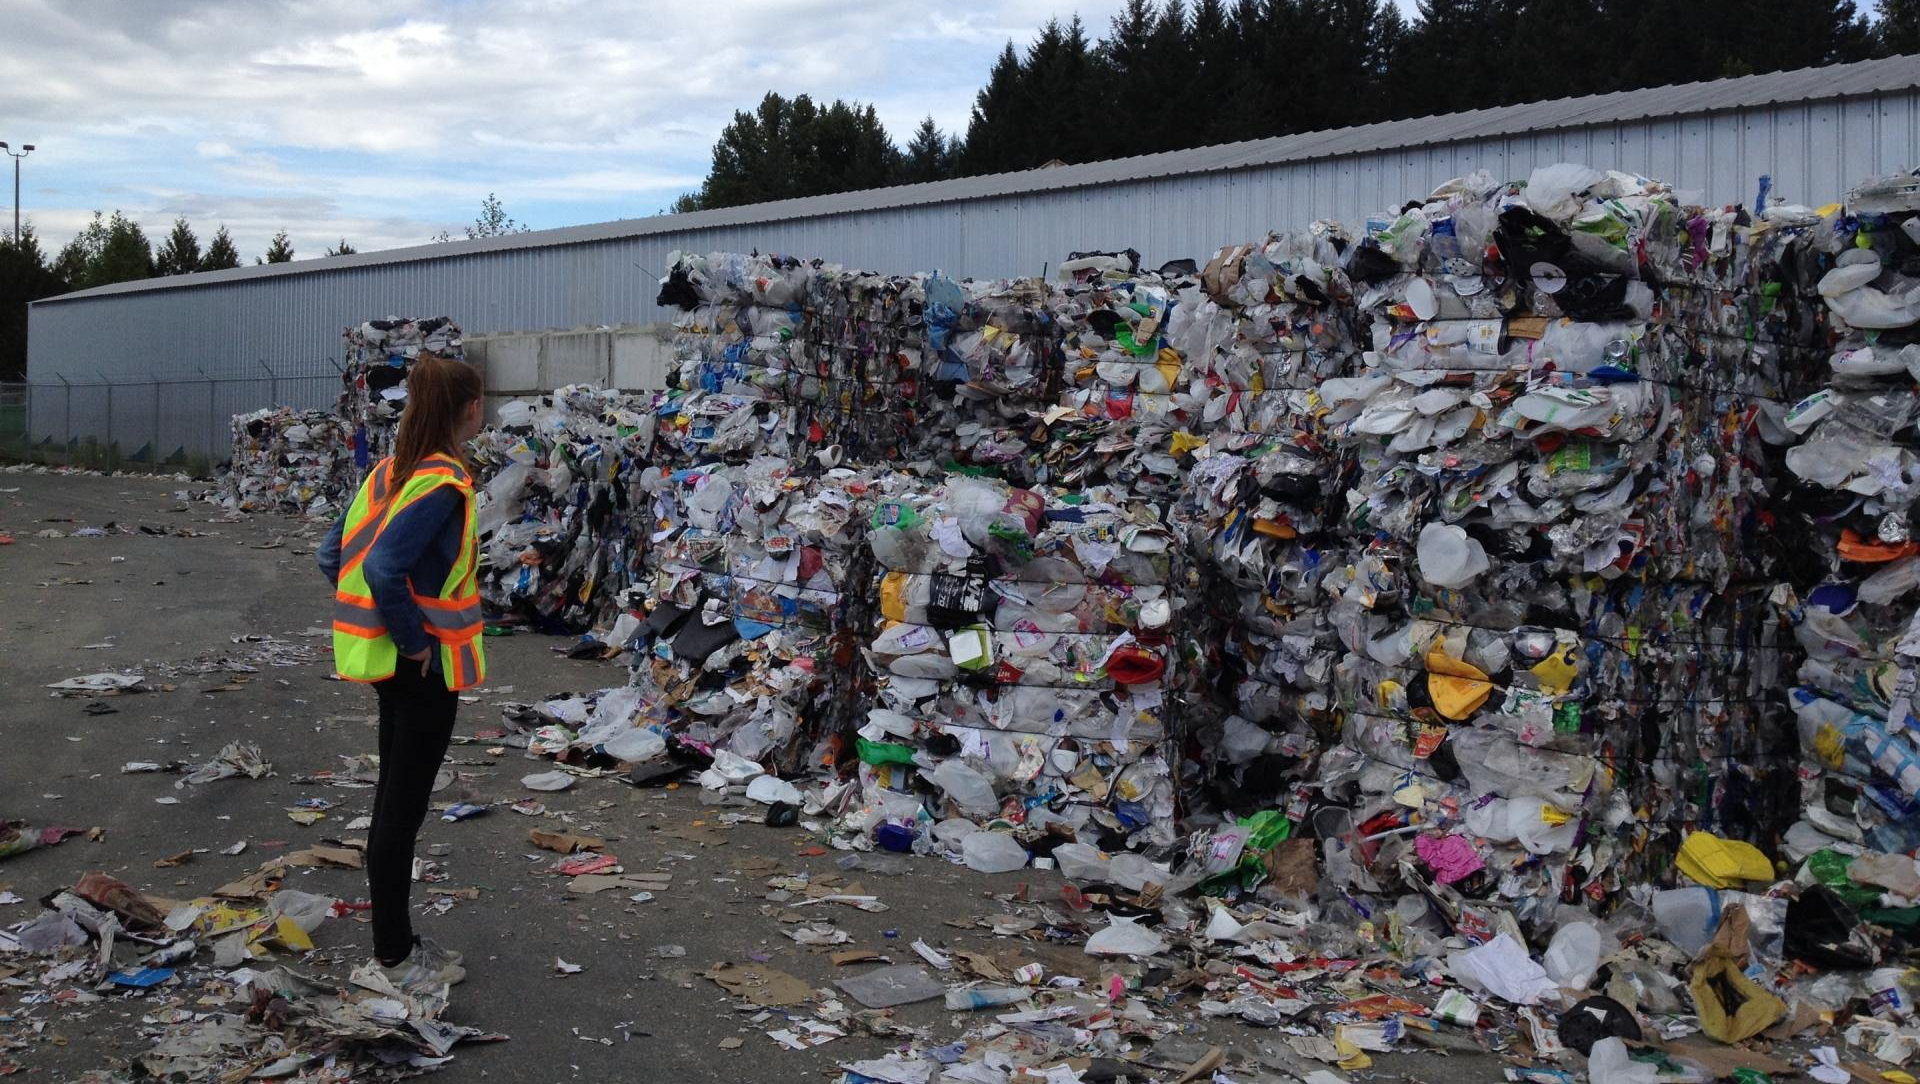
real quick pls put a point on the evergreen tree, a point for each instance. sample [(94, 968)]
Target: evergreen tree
[(750, 161), (180, 253), (342, 249), (1463, 52), (1126, 70), (107, 251), (1214, 47), (1169, 74), (1715, 39), (1245, 95), (1387, 64), (1333, 42), (1057, 99), (842, 148), (996, 136), (788, 149), (279, 250), (1582, 60), (71, 264), (221, 252), (1898, 31), (929, 156), (127, 255), (25, 276), (1169, 70)]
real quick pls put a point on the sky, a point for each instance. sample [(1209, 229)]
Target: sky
[(386, 123)]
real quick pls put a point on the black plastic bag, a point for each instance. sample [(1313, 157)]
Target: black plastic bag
[(1822, 930), (1594, 1019)]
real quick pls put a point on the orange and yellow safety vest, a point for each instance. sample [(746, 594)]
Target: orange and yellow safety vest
[(362, 649)]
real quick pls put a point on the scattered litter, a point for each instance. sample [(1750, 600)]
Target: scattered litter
[(234, 759), (102, 684), (547, 781), (763, 986)]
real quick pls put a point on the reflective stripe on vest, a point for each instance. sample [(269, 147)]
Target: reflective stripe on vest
[(454, 618), (463, 664)]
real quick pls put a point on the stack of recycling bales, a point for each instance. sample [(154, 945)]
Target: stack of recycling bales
[(1260, 332), (292, 461), (1004, 614), (752, 522), (1019, 654), (377, 354), (559, 525), (1450, 537), (1472, 551), (1852, 603), (1524, 641), (991, 358), (737, 649)]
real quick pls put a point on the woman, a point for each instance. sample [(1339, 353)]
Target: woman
[(406, 620)]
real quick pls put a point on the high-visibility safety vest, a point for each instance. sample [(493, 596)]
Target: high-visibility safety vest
[(362, 649)]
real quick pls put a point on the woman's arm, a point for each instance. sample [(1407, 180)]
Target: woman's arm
[(393, 557), (329, 556)]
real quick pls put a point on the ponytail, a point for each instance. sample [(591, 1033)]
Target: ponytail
[(438, 391)]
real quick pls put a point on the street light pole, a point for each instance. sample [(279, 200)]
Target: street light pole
[(25, 149)]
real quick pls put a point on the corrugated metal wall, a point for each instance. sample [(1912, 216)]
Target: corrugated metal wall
[(1814, 152)]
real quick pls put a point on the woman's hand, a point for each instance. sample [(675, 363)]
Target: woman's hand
[(423, 657)]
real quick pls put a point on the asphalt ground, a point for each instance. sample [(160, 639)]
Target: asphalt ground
[(639, 1007)]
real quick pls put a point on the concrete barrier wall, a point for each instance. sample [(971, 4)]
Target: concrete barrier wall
[(523, 364)]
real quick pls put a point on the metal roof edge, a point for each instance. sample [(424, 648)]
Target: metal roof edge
[(1840, 81)]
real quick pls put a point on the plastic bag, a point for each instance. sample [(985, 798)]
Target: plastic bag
[(1448, 556), (1611, 1063), (1125, 937), (993, 852), (1573, 955), (964, 787), (887, 987)]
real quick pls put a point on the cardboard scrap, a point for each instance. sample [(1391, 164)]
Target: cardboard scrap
[(979, 965), (588, 884), (564, 842), (1804, 1017), (327, 858), (764, 986), (257, 885), (1721, 1060), (1204, 1067)]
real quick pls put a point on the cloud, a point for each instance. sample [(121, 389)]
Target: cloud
[(389, 121)]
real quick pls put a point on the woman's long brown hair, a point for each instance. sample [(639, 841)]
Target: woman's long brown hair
[(438, 391)]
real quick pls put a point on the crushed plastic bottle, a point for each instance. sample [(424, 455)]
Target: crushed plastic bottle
[(985, 997)]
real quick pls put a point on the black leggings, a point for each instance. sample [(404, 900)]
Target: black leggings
[(416, 723)]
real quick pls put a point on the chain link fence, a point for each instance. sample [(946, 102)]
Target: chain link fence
[(177, 420)]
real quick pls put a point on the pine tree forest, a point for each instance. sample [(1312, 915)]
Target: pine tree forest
[(1185, 73)]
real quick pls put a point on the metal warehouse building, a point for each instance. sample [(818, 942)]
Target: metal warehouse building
[(164, 362)]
